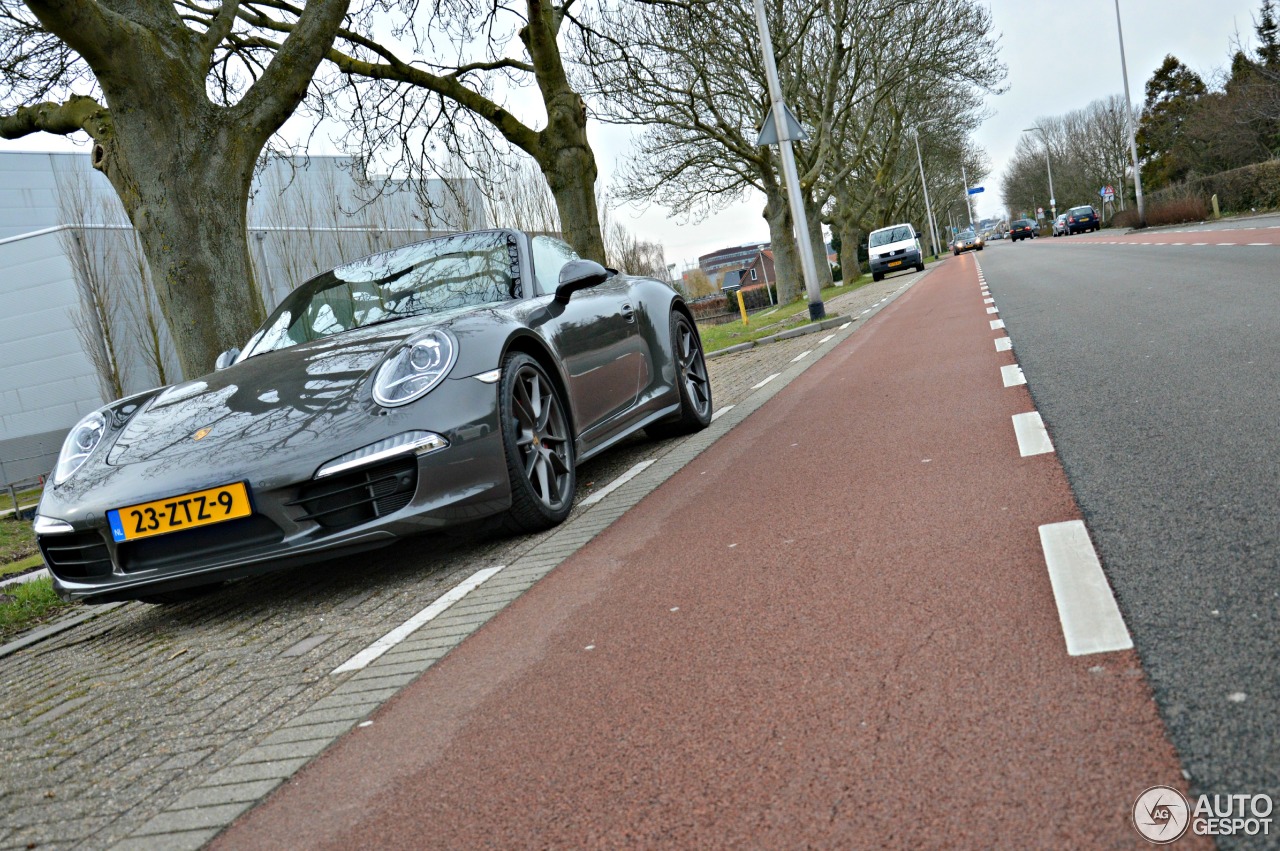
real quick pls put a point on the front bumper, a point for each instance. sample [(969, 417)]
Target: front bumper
[(896, 263), (296, 518)]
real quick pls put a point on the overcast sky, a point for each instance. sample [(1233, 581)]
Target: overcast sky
[(1059, 56)]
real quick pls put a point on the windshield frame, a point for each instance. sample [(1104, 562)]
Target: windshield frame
[(414, 257)]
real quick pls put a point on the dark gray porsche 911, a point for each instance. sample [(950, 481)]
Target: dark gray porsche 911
[(436, 384)]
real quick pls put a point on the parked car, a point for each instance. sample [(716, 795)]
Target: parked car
[(1022, 229), (458, 378), (1060, 225), (966, 240), (894, 249), (1082, 220)]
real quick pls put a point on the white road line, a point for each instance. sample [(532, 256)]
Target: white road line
[(1199, 243), (1033, 438), (1003, 344), (1177, 243), (1091, 620), (617, 483), (1226, 243), (844, 326), (993, 310), (997, 324), (766, 381), (1259, 243), (413, 624), (1012, 375), (988, 301), (802, 355), (718, 414), (865, 312), (824, 339)]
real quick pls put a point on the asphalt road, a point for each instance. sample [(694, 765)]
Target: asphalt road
[(1155, 368)]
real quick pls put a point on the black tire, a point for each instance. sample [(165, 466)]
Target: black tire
[(919, 267), (538, 444), (693, 380), (877, 276)]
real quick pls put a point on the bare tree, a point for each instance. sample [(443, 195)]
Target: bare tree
[(177, 124)]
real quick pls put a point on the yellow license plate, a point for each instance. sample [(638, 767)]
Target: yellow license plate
[(895, 262), (176, 513)]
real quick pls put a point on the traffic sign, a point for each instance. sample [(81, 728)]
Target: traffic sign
[(975, 190)]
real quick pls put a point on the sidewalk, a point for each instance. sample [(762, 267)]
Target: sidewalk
[(834, 628)]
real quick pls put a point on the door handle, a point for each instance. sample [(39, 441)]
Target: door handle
[(628, 313)]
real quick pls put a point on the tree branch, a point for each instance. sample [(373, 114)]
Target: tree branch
[(61, 119)]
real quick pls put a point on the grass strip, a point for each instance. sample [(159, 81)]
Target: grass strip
[(28, 604), (21, 565)]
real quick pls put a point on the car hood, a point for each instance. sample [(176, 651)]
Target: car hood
[(267, 403)]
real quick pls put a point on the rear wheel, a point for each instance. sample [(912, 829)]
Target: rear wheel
[(538, 445), (692, 379)]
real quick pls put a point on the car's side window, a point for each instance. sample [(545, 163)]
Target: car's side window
[(549, 257)]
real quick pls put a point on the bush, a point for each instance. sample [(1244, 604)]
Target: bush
[(1254, 187), (1125, 219), (1178, 210)]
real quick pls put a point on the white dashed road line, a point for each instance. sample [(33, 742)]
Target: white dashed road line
[(988, 301), (766, 381), (802, 356), (997, 324), (993, 310), (1091, 620), (413, 624), (824, 339), (1033, 437), (617, 483), (1012, 375), (1003, 344), (720, 413)]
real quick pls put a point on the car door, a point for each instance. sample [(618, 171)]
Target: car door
[(596, 336)]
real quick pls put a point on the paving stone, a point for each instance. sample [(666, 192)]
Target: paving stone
[(256, 771), (189, 840), (232, 793), (197, 818)]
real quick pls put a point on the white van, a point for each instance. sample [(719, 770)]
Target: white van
[(893, 249)]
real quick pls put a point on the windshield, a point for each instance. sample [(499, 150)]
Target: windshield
[(966, 234), (439, 275), (888, 235), (1081, 211)]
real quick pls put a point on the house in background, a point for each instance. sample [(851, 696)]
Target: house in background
[(62, 227)]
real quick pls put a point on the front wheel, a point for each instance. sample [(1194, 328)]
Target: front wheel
[(692, 379), (538, 446)]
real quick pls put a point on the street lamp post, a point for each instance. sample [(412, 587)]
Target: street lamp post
[(790, 175), (928, 208), (1053, 200), (1133, 142), (968, 203)]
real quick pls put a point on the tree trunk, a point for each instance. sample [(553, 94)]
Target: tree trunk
[(187, 195), (782, 235), (570, 171), (850, 236), (814, 216)]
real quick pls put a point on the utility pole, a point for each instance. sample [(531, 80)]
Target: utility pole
[(968, 205), (783, 127), (924, 184), (1133, 142)]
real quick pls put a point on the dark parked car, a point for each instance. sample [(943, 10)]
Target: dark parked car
[(1022, 229), (459, 378), (1082, 220), (1060, 225), (966, 240)]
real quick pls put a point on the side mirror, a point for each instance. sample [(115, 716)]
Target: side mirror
[(226, 359), (579, 275)]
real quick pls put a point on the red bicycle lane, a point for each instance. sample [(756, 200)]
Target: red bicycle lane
[(834, 628)]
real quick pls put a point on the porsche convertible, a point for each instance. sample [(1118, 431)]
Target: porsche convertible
[(437, 384)]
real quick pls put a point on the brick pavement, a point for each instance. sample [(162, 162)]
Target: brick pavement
[(153, 727)]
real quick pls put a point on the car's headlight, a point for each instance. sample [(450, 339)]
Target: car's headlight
[(80, 443), (419, 364)]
